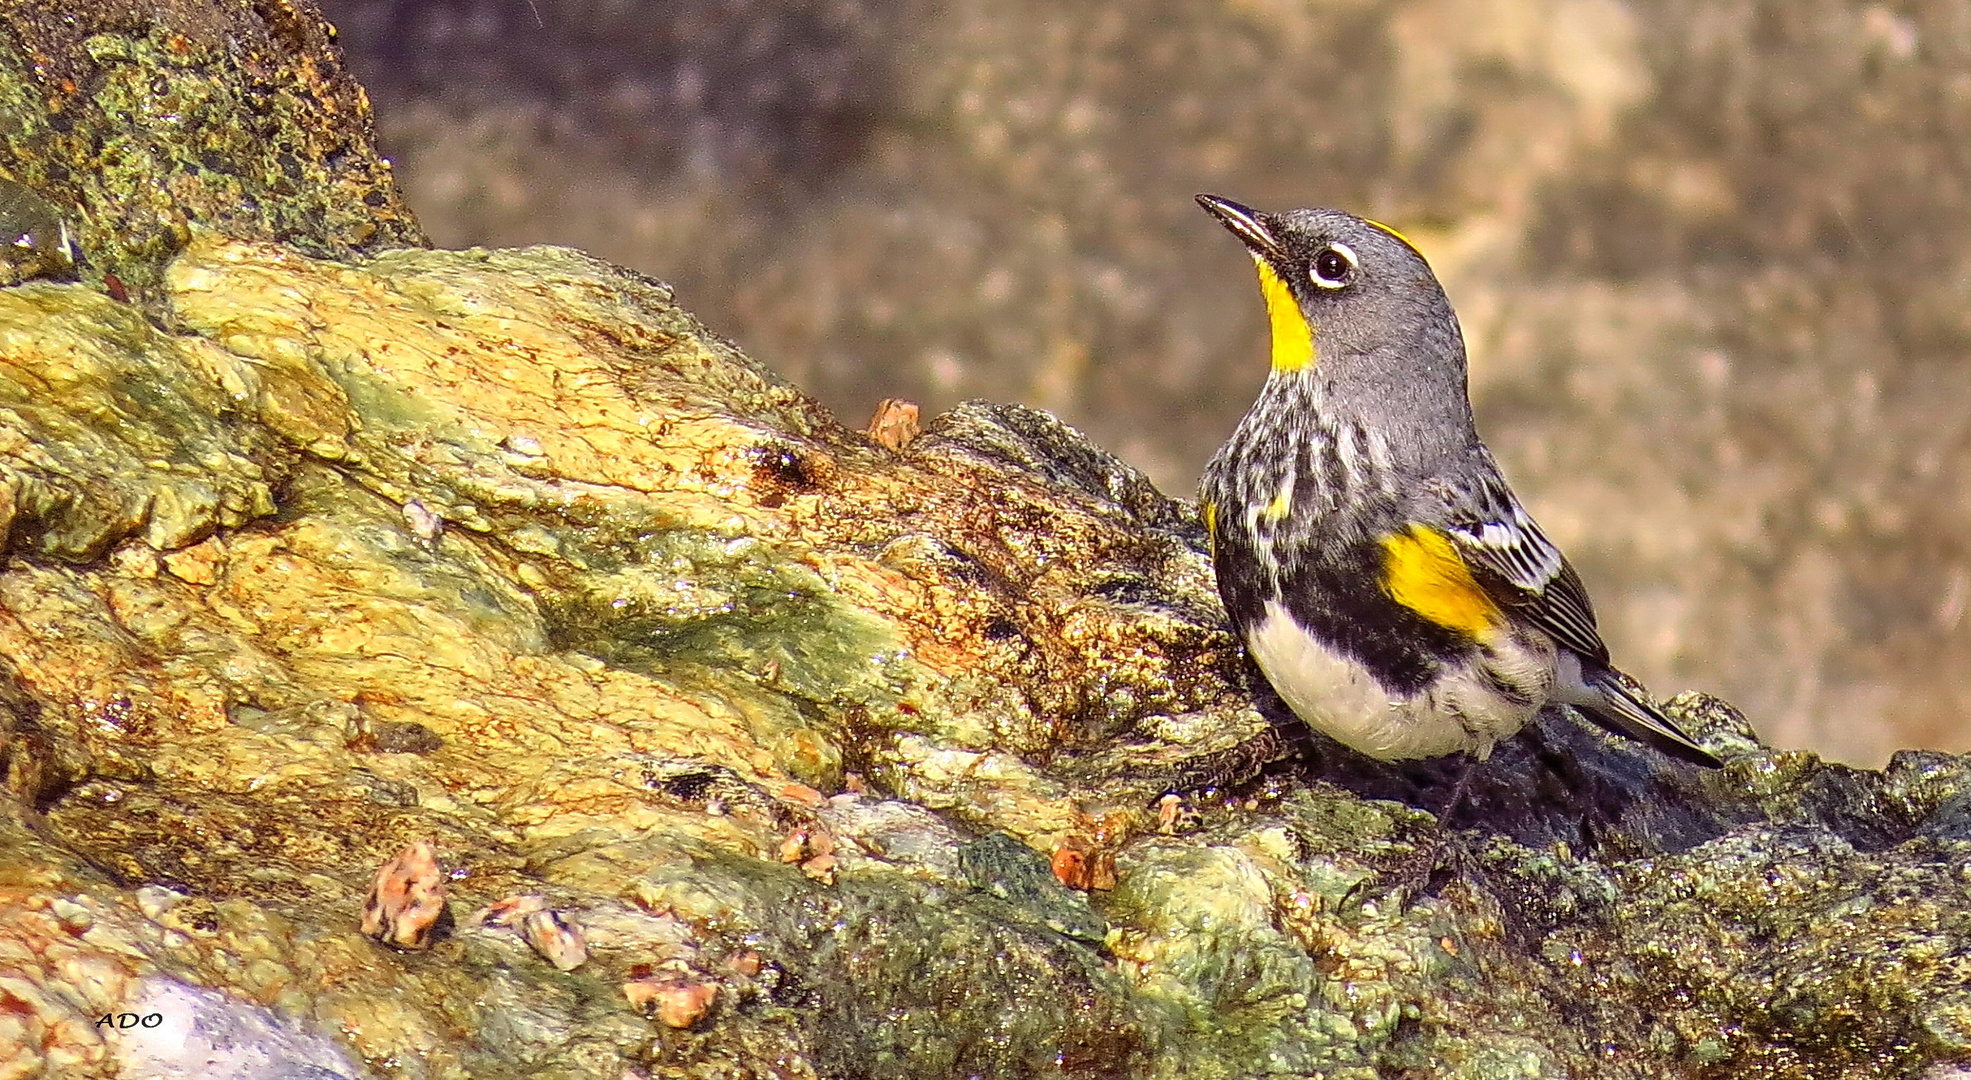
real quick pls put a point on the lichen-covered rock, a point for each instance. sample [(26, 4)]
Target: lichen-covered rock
[(783, 732), (655, 608), (139, 120), (1710, 255), (668, 593)]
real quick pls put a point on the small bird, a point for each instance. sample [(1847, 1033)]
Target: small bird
[(1368, 550)]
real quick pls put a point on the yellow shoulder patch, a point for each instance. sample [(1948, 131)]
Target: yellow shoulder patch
[(1424, 573), (1282, 505), (1293, 338)]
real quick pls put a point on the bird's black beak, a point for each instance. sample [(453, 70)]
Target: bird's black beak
[(1244, 223)]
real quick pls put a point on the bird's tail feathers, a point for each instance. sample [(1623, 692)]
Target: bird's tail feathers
[(1620, 710)]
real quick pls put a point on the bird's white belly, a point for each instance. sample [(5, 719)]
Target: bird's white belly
[(1337, 696)]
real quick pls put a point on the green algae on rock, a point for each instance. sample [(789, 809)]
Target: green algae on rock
[(651, 597), (140, 121), (620, 587), (329, 547), (112, 431)]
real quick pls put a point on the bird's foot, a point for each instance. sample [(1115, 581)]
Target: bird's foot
[(1436, 861)]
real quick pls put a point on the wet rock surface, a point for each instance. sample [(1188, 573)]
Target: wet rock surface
[(136, 120), (491, 579), (1708, 255)]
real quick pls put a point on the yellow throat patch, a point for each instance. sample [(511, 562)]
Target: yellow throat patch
[(1293, 338), (1424, 573)]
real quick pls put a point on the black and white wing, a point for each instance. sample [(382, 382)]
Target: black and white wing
[(1519, 566), (1525, 573)]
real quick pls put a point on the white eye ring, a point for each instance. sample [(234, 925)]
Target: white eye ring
[(1322, 272)]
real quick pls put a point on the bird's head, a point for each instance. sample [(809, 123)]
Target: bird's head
[(1355, 311)]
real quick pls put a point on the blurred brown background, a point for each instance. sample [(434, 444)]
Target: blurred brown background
[(1713, 256)]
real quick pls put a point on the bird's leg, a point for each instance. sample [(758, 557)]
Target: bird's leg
[(1458, 791), (1422, 873)]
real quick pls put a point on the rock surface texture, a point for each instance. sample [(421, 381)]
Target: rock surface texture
[(666, 727), (1709, 255)]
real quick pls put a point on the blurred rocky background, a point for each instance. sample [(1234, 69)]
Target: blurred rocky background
[(1713, 257)]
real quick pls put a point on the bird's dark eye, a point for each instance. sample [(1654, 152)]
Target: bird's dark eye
[(1333, 267)]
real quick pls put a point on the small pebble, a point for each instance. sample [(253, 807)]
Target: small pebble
[(802, 795), (804, 842), (506, 914), (675, 1002), (135, 559), (407, 900), (820, 868), (35, 240), (895, 423), (422, 521), (404, 737), (76, 918), (155, 900), (557, 939), (199, 564), (1070, 865), (1169, 809), (1079, 864), (812, 847)]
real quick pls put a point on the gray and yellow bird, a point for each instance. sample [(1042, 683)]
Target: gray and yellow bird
[(1369, 552)]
